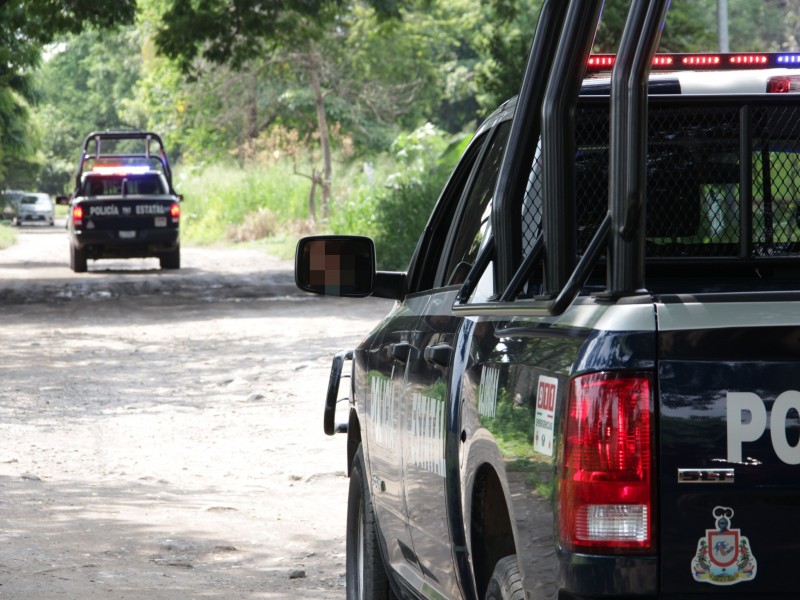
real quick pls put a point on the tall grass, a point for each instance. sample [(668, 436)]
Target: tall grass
[(220, 198)]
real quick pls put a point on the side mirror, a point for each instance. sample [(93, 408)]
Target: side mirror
[(335, 265), (62, 199)]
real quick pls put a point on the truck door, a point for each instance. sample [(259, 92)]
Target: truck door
[(402, 426), (729, 394), (429, 375)]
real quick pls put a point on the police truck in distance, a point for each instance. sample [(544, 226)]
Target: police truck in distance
[(124, 205), (588, 387)]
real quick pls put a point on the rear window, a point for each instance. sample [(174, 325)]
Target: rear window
[(36, 200), (146, 185)]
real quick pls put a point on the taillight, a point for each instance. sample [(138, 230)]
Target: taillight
[(605, 494), (77, 215), (783, 84), (175, 211)]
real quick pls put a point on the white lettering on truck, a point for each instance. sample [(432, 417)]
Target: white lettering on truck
[(741, 404), (151, 209), (107, 210)]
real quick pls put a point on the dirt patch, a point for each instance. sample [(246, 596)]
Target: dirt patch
[(161, 434)]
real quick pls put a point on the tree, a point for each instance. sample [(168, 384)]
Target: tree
[(235, 32), (84, 85), (24, 28)]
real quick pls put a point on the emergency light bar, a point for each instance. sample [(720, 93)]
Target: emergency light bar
[(121, 169), (713, 61)]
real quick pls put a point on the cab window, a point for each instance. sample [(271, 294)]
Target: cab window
[(471, 227)]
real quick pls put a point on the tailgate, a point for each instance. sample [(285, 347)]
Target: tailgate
[(729, 393), (128, 213)]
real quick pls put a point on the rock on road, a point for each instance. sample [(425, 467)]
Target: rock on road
[(161, 432)]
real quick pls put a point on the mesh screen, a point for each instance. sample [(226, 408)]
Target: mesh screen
[(694, 193)]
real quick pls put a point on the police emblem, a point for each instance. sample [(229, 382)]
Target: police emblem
[(723, 555)]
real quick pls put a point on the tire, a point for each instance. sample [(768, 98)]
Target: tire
[(171, 259), (506, 582), (366, 576), (77, 259)]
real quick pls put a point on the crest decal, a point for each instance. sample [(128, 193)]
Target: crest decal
[(723, 554)]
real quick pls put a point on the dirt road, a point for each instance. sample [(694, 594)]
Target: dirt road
[(161, 433)]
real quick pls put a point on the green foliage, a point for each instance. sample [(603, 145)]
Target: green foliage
[(8, 236), (690, 26), (504, 42), (84, 86), (424, 159), (24, 28), (220, 198)]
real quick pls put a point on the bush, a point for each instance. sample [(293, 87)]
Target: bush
[(401, 212)]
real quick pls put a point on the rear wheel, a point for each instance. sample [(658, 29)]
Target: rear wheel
[(506, 582), (366, 575), (77, 259), (171, 259)]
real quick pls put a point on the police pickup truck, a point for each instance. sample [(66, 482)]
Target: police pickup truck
[(124, 205), (588, 386)]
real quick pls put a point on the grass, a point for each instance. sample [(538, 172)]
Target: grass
[(228, 203), (8, 236)]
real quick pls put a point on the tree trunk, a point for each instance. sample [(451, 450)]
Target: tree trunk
[(322, 125)]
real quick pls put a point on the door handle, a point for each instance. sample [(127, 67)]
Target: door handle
[(401, 351), (439, 355)]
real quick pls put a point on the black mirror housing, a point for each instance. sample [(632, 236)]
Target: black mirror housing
[(335, 265), (62, 200)]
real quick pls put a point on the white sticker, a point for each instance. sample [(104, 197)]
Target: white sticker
[(487, 392), (723, 554), (544, 424)]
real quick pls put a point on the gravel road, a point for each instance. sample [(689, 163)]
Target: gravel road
[(161, 432)]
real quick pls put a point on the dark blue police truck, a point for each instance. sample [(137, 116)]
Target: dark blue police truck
[(588, 386), (123, 205)]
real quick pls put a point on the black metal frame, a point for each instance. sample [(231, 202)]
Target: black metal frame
[(147, 136), (559, 56)]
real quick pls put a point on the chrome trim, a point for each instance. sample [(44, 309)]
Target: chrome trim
[(705, 476)]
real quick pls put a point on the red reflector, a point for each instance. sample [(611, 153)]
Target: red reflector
[(606, 503), (175, 210), (783, 84)]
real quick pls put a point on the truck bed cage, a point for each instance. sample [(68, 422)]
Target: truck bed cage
[(125, 153)]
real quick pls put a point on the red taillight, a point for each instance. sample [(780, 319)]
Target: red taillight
[(783, 84), (175, 211), (77, 215), (605, 494)]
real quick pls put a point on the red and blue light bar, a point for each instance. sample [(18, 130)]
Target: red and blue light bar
[(121, 169), (712, 61)]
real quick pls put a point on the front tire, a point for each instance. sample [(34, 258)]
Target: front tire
[(506, 582), (366, 576), (77, 259)]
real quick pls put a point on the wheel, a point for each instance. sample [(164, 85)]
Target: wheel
[(366, 576), (506, 582), (77, 259), (171, 259)]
